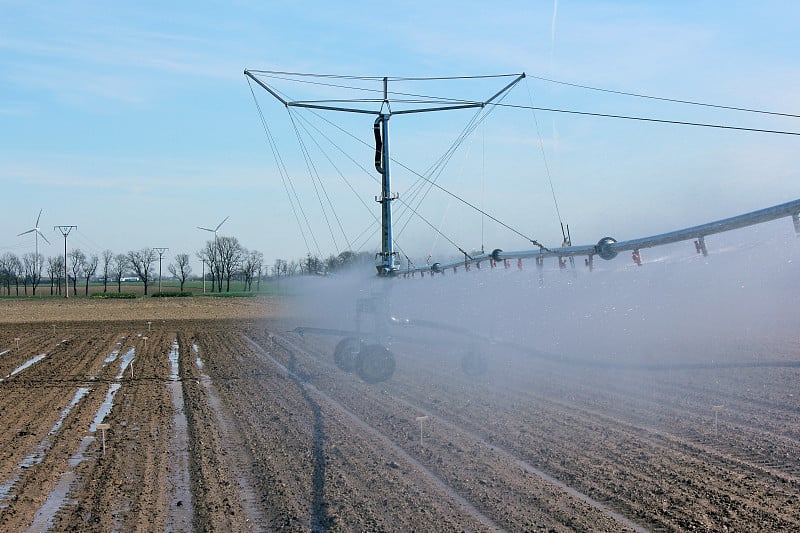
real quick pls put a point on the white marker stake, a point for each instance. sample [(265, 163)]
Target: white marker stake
[(420, 419), (716, 409), (16, 339), (148, 326), (103, 428)]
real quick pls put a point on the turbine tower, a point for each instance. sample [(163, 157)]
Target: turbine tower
[(36, 232), (216, 249)]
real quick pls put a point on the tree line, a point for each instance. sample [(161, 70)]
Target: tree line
[(224, 259)]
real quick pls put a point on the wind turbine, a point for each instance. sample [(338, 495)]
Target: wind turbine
[(37, 232), (215, 230), (216, 247)]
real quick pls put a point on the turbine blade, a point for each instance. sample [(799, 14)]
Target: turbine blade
[(221, 223), (42, 236), (26, 232), (40, 216), (206, 229)]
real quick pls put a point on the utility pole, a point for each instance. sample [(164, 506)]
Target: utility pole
[(65, 231), (204, 274), (160, 254)]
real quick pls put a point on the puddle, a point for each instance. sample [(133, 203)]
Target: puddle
[(25, 365), (198, 361), (43, 519), (4, 352), (126, 360), (173, 360), (113, 355), (181, 506), (43, 447)]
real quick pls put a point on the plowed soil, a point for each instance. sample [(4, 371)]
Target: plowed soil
[(219, 417)]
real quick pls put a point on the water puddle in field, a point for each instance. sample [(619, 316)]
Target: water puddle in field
[(4, 352), (180, 506), (27, 364), (198, 361), (113, 355), (43, 519), (43, 447)]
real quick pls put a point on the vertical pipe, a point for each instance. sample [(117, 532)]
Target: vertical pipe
[(387, 251)]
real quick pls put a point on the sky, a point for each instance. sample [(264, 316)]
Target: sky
[(134, 122)]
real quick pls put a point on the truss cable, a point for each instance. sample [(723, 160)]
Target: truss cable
[(466, 131), (674, 100), (324, 190), (312, 172), (437, 168), (544, 158), (308, 123), (648, 119), (423, 178), (282, 171)]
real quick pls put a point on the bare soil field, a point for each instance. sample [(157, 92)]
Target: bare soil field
[(203, 414)]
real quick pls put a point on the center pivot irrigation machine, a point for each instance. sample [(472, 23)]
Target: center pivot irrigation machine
[(363, 349)]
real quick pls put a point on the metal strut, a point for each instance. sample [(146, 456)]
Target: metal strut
[(388, 265)]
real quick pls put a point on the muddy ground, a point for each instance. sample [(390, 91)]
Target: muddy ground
[(218, 417)]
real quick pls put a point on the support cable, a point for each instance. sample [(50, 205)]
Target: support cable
[(649, 119), (285, 178), (312, 172), (544, 158), (674, 100)]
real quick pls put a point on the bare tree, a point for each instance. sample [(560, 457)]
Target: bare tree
[(77, 259), (230, 254), (89, 268), (279, 268), (108, 257), (142, 263), (212, 257), (252, 264), (55, 266), (32, 270), (119, 266), (181, 268), (10, 269)]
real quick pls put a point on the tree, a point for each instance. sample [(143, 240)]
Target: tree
[(77, 259), (142, 263), (211, 255), (181, 268), (311, 265), (119, 266), (10, 270), (89, 268), (230, 256), (279, 268), (55, 266), (32, 267), (253, 263), (108, 257)]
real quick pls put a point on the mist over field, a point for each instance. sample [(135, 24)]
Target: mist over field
[(736, 305)]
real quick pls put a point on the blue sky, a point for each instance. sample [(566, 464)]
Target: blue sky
[(134, 121)]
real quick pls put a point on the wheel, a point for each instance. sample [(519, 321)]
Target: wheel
[(346, 353), (375, 363), (473, 364)]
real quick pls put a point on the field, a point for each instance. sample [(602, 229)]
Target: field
[(218, 417)]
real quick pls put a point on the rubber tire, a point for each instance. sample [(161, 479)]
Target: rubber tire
[(375, 363), (346, 353)]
